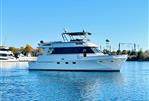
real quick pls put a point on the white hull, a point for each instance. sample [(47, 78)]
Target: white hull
[(90, 63), (27, 59), (9, 60)]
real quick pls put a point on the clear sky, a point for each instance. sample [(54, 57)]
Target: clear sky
[(29, 21)]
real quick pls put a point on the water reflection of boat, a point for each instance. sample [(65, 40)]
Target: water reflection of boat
[(83, 85)]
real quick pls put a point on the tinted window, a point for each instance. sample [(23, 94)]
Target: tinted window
[(10, 55), (3, 54), (3, 49), (72, 50)]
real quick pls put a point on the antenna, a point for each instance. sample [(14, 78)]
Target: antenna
[(65, 30)]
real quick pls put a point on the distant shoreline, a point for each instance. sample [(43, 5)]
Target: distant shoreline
[(136, 59), (133, 55)]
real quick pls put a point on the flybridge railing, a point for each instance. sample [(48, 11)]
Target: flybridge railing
[(75, 36)]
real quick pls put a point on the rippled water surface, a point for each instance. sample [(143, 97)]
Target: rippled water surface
[(19, 84)]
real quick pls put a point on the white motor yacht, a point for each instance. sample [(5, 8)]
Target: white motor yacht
[(6, 54), (75, 53)]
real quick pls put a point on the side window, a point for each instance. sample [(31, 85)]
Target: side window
[(71, 50), (3, 54)]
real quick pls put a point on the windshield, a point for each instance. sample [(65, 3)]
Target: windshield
[(96, 50)]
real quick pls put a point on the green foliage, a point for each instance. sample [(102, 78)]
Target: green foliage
[(25, 51), (113, 53), (140, 55), (133, 53), (128, 52), (13, 49), (28, 49), (118, 52), (124, 52)]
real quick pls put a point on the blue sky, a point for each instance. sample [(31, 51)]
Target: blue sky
[(29, 21)]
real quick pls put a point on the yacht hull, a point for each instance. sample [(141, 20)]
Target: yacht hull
[(98, 63)]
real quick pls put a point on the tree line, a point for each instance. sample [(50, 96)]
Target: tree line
[(28, 49), (132, 55)]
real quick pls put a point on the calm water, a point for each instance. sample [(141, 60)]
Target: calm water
[(19, 84)]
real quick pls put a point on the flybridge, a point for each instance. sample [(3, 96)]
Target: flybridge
[(70, 38), (77, 33), (75, 36)]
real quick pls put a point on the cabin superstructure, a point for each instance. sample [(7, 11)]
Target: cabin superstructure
[(78, 43)]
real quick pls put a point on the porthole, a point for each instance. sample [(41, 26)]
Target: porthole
[(112, 61), (73, 62), (58, 62), (66, 62)]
